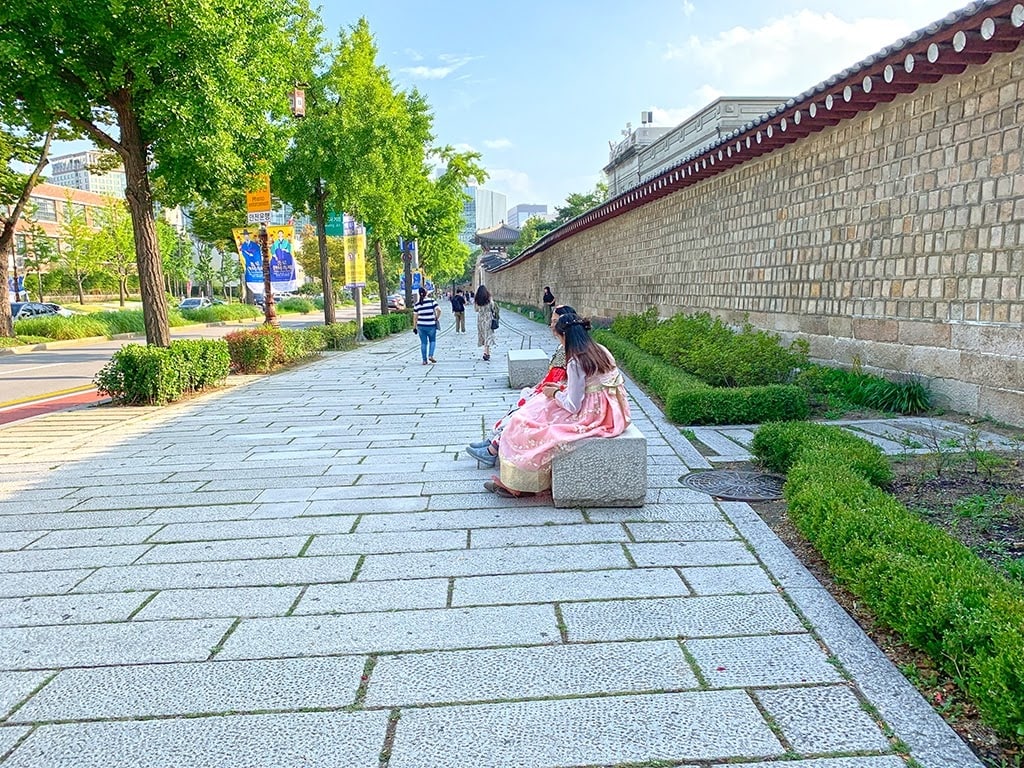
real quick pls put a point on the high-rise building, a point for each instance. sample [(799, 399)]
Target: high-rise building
[(484, 209), (78, 172), (520, 214)]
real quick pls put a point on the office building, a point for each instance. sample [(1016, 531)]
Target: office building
[(78, 171), (484, 209), (520, 214)]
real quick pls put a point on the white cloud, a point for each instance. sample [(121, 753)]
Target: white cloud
[(787, 55), (414, 54), (450, 62), (688, 8), (501, 143), (515, 184)]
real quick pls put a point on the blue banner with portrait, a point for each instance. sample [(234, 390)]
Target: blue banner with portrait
[(283, 277)]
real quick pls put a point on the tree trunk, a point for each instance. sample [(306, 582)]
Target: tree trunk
[(122, 286), (139, 195), (81, 293), (382, 283), (39, 274), (325, 265)]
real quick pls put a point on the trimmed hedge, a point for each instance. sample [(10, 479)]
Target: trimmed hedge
[(150, 375), (337, 335), (939, 596), (296, 304), (219, 313), (262, 349), (737, 405), (688, 400), (381, 325)]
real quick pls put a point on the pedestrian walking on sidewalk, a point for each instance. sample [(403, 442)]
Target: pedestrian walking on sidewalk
[(486, 320), (459, 311), (426, 318)]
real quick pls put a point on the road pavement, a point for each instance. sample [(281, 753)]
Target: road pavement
[(69, 368)]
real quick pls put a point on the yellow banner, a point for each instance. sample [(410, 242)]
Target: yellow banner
[(355, 253), (258, 200)]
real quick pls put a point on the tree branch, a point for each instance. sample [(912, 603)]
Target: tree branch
[(7, 236), (103, 138)]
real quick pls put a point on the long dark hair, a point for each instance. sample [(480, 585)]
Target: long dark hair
[(483, 296), (580, 347)]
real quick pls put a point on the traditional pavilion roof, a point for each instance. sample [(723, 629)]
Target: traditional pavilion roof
[(502, 234), (946, 47)]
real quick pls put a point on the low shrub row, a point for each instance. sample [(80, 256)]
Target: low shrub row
[(936, 593), (688, 400), (149, 375), (263, 349), (380, 326), (296, 304), (220, 313)]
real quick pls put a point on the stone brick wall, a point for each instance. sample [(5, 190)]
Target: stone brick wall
[(895, 238)]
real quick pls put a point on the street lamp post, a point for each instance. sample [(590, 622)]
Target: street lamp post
[(269, 310)]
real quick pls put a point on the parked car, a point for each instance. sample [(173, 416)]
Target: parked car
[(396, 301), (20, 310), (195, 303), (59, 309)]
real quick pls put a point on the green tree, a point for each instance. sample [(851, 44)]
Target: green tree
[(361, 150), (577, 204), (532, 231), (308, 257), (40, 251), (204, 270), (229, 272), (18, 143), (78, 255), (214, 217), (195, 91), (437, 214), (114, 244)]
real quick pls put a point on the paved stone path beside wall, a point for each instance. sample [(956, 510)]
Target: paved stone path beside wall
[(304, 570)]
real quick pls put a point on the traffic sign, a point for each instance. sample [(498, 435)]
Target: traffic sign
[(258, 200), (259, 217)]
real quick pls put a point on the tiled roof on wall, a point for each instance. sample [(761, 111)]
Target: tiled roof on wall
[(945, 47)]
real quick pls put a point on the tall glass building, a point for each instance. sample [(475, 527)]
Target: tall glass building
[(484, 209)]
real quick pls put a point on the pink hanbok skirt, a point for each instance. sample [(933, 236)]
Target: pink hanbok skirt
[(541, 428)]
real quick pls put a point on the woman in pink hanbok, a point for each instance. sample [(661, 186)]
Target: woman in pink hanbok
[(590, 403)]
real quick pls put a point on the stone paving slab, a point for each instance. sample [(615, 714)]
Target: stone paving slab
[(691, 553), (253, 529), (482, 562), (468, 518), (398, 631), (230, 573), (528, 673), (744, 662), (603, 731), (15, 688), (881, 761), (161, 499), (546, 535), (300, 740), (46, 521), (361, 597), (94, 537), (231, 549), (695, 531), (823, 719), (219, 603), (11, 542), (40, 582), (196, 688), (76, 557), (567, 586), (672, 513), (87, 645), (679, 617), (383, 543), (68, 609), (9, 736), (728, 579)]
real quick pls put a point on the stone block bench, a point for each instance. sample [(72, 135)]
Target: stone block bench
[(526, 367), (602, 472)]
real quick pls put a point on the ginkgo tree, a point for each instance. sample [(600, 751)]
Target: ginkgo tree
[(191, 94)]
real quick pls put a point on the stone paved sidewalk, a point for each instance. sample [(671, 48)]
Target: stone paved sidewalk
[(304, 570)]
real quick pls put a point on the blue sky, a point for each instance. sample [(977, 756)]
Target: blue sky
[(540, 88)]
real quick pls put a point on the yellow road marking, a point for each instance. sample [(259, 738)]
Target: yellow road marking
[(48, 395)]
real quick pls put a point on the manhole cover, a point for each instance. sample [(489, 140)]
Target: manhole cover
[(735, 485)]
